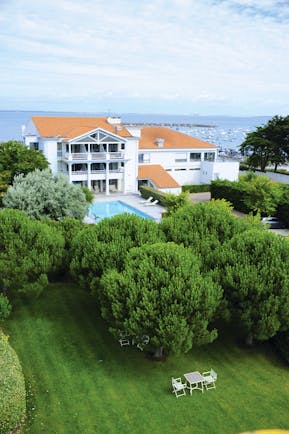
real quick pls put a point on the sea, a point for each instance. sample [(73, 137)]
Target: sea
[(227, 132)]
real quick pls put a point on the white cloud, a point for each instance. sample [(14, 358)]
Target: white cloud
[(214, 51)]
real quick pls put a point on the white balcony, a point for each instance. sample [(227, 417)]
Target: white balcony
[(94, 156)]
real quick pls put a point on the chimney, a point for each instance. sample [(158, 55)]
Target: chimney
[(160, 142), (114, 120)]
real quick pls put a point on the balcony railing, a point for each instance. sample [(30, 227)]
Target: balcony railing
[(92, 172), (94, 156)]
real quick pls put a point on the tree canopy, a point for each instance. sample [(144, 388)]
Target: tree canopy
[(16, 158), (161, 293), (262, 195), (41, 194), (254, 273), (29, 251), (203, 226), (105, 245), (269, 144)]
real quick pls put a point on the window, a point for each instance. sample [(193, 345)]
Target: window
[(195, 156), (34, 145), (122, 146), (209, 156), (59, 150), (181, 158), (143, 158)]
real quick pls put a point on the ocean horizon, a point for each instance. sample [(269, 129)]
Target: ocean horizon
[(228, 132)]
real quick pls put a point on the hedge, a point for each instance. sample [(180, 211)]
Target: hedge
[(12, 388), (147, 192), (233, 192), (196, 188)]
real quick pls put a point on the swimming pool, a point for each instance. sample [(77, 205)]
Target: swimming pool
[(100, 210)]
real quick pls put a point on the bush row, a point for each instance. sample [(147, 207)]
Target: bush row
[(12, 387), (196, 188), (233, 192), (147, 192)]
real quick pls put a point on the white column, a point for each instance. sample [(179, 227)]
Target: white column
[(89, 175), (107, 179), (69, 171)]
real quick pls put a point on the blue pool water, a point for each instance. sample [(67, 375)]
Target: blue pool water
[(100, 210)]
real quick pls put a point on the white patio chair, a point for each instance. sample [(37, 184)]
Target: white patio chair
[(179, 388), (146, 200), (144, 341), (151, 203), (123, 338), (210, 378), (123, 342)]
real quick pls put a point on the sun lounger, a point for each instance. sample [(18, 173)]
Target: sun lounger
[(146, 200), (151, 203)]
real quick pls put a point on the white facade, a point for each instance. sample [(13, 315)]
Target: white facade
[(212, 170), (107, 162)]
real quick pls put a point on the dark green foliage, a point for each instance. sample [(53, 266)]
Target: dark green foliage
[(174, 202), (16, 158), (105, 245), (12, 388), (196, 188), (233, 192), (269, 144), (281, 343), (29, 250), (146, 192), (161, 293), (283, 207), (5, 307), (254, 274), (203, 227)]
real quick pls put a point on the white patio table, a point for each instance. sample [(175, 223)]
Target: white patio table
[(195, 380)]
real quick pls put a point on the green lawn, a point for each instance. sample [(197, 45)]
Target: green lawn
[(80, 380)]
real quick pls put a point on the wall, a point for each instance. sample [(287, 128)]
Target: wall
[(131, 166), (211, 170), (50, 151)]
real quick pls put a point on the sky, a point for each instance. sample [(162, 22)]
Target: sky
[(208, 57)]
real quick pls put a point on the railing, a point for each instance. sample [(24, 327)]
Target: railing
[(88, 156), (93, 172)]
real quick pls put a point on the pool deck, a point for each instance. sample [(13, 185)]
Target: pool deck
[(154, 211)]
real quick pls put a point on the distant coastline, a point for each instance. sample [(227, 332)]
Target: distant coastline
[(227, 132)]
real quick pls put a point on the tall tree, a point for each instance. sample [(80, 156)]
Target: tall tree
[(203, 227), (105, 245), (269, 144), (255, 277), (41, 194), (262, 195), (16, 158), (161, 293), (29, 251)]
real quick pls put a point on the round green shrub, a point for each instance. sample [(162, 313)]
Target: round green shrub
[(12, 388)]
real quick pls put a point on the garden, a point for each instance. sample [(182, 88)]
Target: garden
[(210, 290), (80, 380)]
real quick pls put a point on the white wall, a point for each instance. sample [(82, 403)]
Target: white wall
[(211, 170), (175, 191), (49, 148), (131, 166)]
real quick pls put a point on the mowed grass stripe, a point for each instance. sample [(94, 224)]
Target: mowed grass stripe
[(95, 386)]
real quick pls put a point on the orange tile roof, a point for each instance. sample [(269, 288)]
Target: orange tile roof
[(71, 127), (158, 175), (172, 139)]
